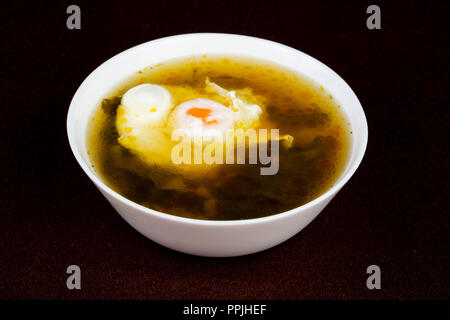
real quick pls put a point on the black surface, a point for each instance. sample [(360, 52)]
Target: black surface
[(392, 213)]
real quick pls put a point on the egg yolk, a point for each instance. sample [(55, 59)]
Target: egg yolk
[(201, 113)]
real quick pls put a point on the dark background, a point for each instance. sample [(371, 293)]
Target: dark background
[(392, 213)]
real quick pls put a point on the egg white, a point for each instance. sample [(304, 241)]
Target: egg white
[(140, 120), (147, 118)]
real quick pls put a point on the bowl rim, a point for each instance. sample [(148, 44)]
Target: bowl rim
[(342, 179)]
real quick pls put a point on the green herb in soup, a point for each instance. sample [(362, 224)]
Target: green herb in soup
[(130, 137)]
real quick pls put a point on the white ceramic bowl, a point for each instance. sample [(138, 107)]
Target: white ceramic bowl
[(201, 237)]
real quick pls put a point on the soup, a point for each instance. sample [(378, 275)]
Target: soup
[(131, 138)]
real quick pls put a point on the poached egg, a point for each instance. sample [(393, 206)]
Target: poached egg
[(148, 115)]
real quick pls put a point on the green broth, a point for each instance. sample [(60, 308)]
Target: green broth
[(292, 103)]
